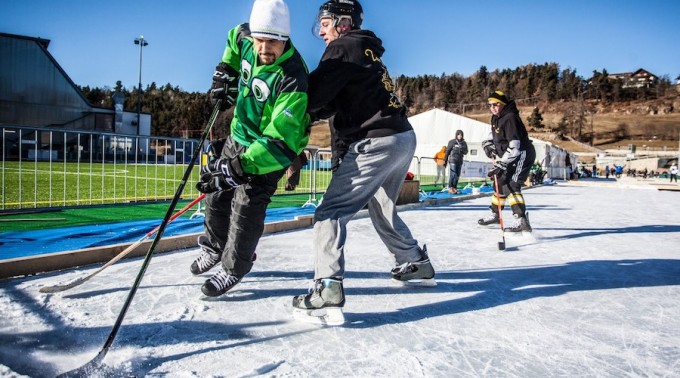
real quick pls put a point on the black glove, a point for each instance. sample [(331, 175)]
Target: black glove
[(215, 148), (498, 170), (224, 86), (221, 174), (489, 149)]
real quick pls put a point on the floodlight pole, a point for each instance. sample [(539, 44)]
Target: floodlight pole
[(141, 42)]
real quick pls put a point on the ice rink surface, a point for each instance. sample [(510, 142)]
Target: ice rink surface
[(593, 293)]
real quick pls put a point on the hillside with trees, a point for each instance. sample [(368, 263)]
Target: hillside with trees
[(602, 110)]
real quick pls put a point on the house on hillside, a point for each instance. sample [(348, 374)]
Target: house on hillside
[(638, 79)]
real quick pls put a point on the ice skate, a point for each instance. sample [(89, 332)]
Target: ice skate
[(521, 225), (489, 220), (417, 273), (323, 304), (220, 283), (207, 260)]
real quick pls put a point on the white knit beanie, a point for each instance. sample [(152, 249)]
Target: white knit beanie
[(270, 19)]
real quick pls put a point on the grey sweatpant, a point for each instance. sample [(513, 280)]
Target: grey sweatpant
[(372, 172)]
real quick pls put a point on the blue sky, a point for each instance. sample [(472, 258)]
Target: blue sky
[(93, 40)]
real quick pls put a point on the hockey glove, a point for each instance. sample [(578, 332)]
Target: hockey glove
[(215, 148), (221, 174), (498, 170), (224, 86), (489, 149)]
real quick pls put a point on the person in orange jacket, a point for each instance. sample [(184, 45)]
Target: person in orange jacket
[(441, 167)]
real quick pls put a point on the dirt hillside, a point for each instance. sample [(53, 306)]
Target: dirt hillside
[(652, 125)]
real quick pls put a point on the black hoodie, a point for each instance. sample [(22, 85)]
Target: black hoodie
[(456, 149), (352, 84), (508, 126)]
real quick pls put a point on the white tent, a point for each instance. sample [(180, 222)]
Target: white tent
[(434, 128), (553, 158)]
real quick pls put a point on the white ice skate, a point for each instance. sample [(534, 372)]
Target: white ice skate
[(323, 304), (417, 273)]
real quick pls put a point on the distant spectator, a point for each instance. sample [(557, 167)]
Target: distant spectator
[(441, 166), (537, 173), (455, 150), (674, 172), (567, 164), (618, 170)]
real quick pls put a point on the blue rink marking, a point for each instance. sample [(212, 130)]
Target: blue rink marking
[(445, 194), (39, 242)]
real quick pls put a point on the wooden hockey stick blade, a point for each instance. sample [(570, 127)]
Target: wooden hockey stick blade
[(81, 280), (125, 252)]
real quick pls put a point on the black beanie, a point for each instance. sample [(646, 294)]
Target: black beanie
[(498, 96)]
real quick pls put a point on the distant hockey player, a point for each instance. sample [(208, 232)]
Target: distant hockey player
[(370, 126), (512, 152), (262, 73)]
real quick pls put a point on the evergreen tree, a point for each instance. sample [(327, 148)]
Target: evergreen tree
[(562, 127), (535, 120), (448, 97)]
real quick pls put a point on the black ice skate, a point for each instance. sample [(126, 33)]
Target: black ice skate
[(417, 273), (323, 304), (489, 220), (521, 224), (207, 260), (220, 283)]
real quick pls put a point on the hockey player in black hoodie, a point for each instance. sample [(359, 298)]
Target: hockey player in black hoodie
[(373, 143), (513, 154)]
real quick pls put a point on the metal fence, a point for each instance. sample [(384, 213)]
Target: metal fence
[(432, 175), (61, 168), (48, 168)]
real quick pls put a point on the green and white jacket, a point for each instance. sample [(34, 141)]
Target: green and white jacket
[(270, 117)]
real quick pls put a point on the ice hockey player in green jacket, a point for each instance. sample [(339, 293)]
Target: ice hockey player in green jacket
[(264, 77)]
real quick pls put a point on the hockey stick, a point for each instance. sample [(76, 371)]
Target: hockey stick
[(125, 252), (501, 244), (87, 369)]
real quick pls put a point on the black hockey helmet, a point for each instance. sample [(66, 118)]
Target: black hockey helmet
[(340, 9)]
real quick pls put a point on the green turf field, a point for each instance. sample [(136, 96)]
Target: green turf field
[(30, 185), (45, 184), (42, 195)]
